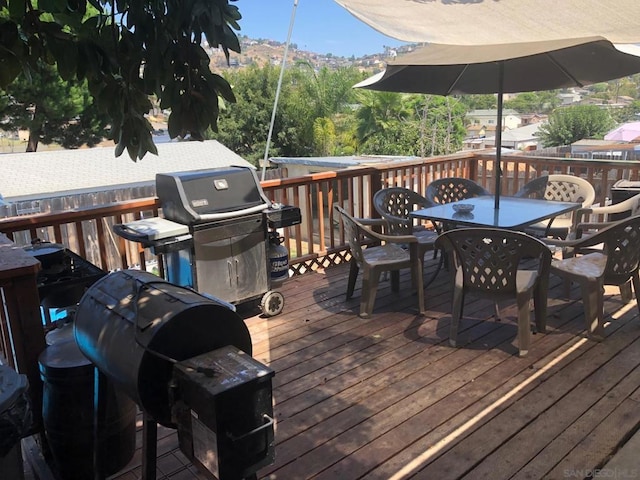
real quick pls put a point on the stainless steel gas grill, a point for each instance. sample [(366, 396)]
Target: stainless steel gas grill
[(215, 234)]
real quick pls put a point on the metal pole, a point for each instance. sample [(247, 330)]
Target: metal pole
[(498, 165), (275, 103)]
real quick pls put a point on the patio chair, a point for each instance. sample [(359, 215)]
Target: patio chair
[(617, 263), (394, 205), (390, 256), (453, 189), (488, 262), (559, 188)]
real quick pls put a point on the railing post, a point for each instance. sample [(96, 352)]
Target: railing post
[(376, 184), (473, 169)]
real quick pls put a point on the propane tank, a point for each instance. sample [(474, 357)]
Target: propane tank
[(278, 258)]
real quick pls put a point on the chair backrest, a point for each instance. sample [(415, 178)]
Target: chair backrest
[(452, 189), (621, 244), (353, 234), (394, 204), (559, 188), (569, 188), (489, 258)]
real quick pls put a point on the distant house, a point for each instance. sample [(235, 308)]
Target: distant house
[(570, 98), (489, 118), (523, 138), (531, 118)]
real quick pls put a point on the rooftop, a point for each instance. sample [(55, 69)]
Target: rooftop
[(28, 176)]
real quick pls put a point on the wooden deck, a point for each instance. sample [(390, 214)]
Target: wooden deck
[(387, 398)]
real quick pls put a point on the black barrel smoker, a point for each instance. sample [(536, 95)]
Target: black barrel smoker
[(185, 359), (219, 235)]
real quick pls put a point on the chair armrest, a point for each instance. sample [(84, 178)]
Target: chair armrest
[(627, 205), (556, 242), (371, 221), (385, 238)]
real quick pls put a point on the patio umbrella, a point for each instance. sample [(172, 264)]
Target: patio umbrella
[(506, 68), (624, 133)]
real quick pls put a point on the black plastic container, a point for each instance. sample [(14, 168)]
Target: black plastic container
[(67, 413)]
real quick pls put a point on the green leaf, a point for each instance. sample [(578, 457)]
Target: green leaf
[(9, 69), (17, 9)]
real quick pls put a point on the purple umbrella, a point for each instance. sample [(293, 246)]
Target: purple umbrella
[(627, 132)]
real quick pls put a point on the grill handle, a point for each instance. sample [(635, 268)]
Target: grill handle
[(210, 217)]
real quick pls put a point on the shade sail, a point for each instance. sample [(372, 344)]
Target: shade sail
[(472, 22)]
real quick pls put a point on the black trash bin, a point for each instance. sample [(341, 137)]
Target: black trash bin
[(67, 414)]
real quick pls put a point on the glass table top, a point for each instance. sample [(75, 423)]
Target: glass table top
[(513, 212)]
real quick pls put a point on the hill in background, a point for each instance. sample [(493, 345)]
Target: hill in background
[(262, 52)]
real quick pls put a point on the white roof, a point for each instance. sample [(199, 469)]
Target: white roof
[(339, 161), (520, 134), (28, 176)]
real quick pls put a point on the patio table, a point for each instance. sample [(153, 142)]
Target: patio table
[(512, 214)]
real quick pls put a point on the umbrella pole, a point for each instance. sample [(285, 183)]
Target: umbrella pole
[(498, 165)]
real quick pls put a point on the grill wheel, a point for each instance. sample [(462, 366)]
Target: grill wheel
[(272, 303)]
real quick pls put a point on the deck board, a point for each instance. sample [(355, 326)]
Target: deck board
[(388, 398)]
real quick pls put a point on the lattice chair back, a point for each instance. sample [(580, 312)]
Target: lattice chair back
[(569, 188), (453, 189), (621, 244), (490, 259), (395, 204)]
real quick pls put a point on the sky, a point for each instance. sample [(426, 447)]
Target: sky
[(320, 26)]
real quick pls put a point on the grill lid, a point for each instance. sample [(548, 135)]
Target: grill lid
[(208, 195)]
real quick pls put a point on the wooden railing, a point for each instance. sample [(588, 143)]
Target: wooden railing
[(317, 242)]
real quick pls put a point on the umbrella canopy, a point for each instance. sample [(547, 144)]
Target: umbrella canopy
[(624, 133), (506, 68), (476, 22)]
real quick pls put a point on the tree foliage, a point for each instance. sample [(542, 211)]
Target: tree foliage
[(53, 111), (405, 124), (305, 97), (570, 124), (534, 102), (127, 50)]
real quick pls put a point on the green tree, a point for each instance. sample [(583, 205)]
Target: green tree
[(53, 111), (244, 128), (305, 97), (441, 124), (403, 124), (626, 114), (324, 136), (570, 124), (479, 102), (534, 102), (127, 50), (379, 111)]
